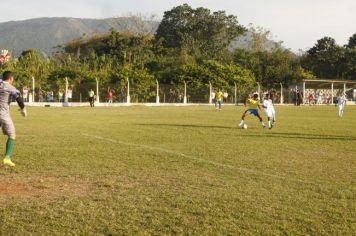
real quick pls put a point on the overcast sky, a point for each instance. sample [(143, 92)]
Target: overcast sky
[(299, 23)]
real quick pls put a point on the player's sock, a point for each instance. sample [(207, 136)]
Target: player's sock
[(242, 123), (269, 124), (9, 148), (263, 124)]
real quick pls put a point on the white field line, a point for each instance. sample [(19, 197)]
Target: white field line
[(244, 170)]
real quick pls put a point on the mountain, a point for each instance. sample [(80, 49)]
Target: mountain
[(46, 33)]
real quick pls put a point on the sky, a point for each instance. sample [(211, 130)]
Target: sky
[(298, 23)]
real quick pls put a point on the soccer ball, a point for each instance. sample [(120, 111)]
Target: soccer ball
[(245, 126)]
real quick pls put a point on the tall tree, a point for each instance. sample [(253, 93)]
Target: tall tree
[(198, 31), (351, 58), (326, 59), (352, 42)]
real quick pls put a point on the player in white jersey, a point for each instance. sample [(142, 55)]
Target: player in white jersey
[(9, 93), (269, 110), (341, 101)]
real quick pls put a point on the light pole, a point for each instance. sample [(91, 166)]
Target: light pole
[(282, 97), (304, 93), (210, 92), (128, 92), (185, 100), (66, 94), (332, 93), (157, 95), (235, 94), (97, 90), (33, 89)]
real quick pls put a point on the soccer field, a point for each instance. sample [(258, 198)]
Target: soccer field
[(180, 170)]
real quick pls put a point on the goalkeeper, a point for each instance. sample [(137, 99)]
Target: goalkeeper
[(9, 93)]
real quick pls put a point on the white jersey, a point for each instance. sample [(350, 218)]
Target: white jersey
[(8, 93), (268, 104), (340, 100), (269, 108)]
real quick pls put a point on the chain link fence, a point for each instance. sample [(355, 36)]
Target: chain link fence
[(120, 92)]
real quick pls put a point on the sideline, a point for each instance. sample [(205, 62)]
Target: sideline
[(243, 170), (85, 104)]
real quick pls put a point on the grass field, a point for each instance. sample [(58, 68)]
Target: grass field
[(186, 170)]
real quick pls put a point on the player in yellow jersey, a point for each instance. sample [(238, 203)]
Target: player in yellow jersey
[(218, 100), (253, 106)]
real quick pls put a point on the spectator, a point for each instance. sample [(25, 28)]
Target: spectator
[(328, 99), (40, 95), (25, 94), (297, 97), (213, 95), (311, 99), (50, 96), (318, 99), (91, 95), (60, 96), (225, 95), (69, 94), (109, 96)]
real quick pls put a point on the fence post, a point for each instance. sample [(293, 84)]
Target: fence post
[(235, 94), (282, 97), (344, 89), (304, 93), (332, 93), (210, 92), (185, 93), (157, 95), (128, 92), (33, 89), (66, 94), (97, 90), (259, 91)]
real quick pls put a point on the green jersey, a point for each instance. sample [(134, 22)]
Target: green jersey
[(91, 94)]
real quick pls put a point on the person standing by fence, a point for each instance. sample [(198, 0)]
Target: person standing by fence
[(91, 95), (110, 96), (70, 94), (25, 94)]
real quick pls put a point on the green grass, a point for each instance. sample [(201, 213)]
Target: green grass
[(186, 170)]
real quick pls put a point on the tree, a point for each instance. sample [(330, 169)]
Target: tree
[(352, 42), (272, 67), (326, 59), (350, 56), (198, 31)]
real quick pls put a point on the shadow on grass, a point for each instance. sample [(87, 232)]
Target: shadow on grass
[(270, 134)]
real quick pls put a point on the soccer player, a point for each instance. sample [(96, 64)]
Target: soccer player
[(8, 93), (219, 99), (253, 106), (91, 95), (341, 101), (269, 110)]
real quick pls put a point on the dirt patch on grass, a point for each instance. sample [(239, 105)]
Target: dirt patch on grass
[(7, 189), (43, 187)]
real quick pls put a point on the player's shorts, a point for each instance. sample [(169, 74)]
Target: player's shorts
[(218, 102), (269, 113), (341, 107), (252, 112), (7, 126)]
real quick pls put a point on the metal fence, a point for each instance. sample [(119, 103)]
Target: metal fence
[(168, 93)]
